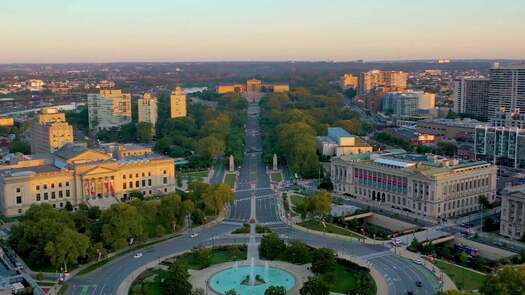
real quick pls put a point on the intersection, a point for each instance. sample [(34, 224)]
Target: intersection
[(400, 274)]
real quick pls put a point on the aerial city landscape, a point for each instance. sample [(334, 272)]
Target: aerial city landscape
[(235, 148)]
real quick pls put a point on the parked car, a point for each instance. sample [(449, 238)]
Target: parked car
[(137, 255)]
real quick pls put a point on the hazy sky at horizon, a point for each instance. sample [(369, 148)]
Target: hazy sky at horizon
[(202, 30)]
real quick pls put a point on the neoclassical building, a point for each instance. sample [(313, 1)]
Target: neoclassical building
[(431, 186), (75, 174)]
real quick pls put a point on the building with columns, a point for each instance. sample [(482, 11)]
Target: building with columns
[(50, 131), (77, 175), (512, 222), (429, 186)]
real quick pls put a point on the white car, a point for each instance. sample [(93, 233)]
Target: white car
[(137, 255), (193, 235), (417, 261)]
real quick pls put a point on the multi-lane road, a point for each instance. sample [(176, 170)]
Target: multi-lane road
[(399, 273)]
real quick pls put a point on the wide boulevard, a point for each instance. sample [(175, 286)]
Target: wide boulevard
[(399, 273)]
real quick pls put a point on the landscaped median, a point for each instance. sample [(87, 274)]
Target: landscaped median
[(150, 281), (464, 278), (230, 179), (316, 225)]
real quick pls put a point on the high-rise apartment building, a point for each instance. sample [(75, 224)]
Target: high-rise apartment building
[(512, 223), (349, 81), (50, 131), (471, 96), (500, 145), (147, 107), (109, 109), (178, 103), (506, 90), (389, 80)]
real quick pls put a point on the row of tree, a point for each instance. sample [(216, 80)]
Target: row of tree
[(47, 236), (291, 121)]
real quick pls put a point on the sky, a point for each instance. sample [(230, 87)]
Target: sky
[(264, 30)]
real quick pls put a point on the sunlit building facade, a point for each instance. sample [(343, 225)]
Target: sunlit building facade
[(178, 108), (109, 109), (50, 131)]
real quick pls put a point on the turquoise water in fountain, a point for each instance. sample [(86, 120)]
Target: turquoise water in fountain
[(231, 278)]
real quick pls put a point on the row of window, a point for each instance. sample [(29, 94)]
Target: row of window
[(44, 186), (137, 175)]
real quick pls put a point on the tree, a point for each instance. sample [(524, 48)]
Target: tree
[(315, 286), (298, 252), (271, 246), (275, 290), (197, 216), (210, 147), (463, 258), (201, 256), (176, 281), (121, 222), (136, 195), (323, 260), (18, 146), (507, 281), (67, 248), (145, 132), (353, 125), (322, 203)]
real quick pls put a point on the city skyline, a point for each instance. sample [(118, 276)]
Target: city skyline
[(164, 31)]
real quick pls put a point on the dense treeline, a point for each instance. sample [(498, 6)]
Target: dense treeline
[(291, 121), (46, 236)]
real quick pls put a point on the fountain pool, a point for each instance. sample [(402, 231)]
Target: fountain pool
[(241, 279)]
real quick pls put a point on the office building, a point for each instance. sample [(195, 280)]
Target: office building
[(456, 129), (471, 96), (178, 103), (506, 90), (500, 145), (348, 81), (388, 80), (147, 107), (108, 109), (503, 118), (339, 142), (77, 175), (512, 220), (400, 103), (50, 131), (429, 186)]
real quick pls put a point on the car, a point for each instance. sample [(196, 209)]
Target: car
[(396, 242), (419, 284), (194, 235), (417, 261), (137, 255)]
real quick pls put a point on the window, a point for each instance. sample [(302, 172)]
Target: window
[(19, 211), (143, 182), (149, 173), (123, 176), (131, 176), (17, 189), (131, 184), (67, 183), (45, 186), (149, 182), (124, 185), (60, 194), (53, 195), (165, 180), (61, 205), (137, 183), (37, 187), (52, 185), (60, 184), (38, 197), (143, 174), (46, 196), (19, 199), (54, 205), (137, 175), (67, 193), (164, 172)]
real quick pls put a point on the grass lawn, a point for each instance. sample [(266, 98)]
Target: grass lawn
[(45, 283), (344, 280), (463, 278), (276, 176), (296, 200), (219, 255), (197, 175), (330, 228), (230, 180)]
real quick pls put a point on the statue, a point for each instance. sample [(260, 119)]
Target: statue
[(274, 162), (232, 164)]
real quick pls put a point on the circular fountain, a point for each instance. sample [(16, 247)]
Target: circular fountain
[(250, 280)]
